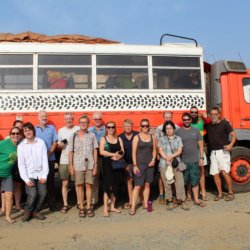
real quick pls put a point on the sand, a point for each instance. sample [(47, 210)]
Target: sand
[(220, 225)]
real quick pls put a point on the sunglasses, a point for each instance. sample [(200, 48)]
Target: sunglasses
[(186, 120), (17, 133), (97, 119), (109, 127), (193, 112), (145, 126)]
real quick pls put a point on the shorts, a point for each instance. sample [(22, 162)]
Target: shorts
[(220, 160), (146, 175), (6, 184), (64, 171), (82, 177), (192, 174)]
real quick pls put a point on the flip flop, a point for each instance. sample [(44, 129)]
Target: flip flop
[(200, 204), (90, 213), (203, 197), (217, 198), (127, 206), (131, 212), (106, 215)]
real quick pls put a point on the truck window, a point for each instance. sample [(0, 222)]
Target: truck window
[(246, 89)]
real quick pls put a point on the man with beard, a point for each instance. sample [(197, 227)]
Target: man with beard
[(192, 155), (198, 123), (218, 141)]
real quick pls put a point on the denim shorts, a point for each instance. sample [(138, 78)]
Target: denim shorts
[(6, 184)]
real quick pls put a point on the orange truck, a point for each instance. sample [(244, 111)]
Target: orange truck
[(82, 74)]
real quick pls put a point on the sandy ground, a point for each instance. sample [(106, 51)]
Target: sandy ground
[(220, 225)]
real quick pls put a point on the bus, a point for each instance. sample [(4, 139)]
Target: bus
[(122, 81)]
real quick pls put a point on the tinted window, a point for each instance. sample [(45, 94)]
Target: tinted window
[(117, 78), (16, 59), (16, 78), (121, 60), (176, 79), (64, 78), (64, 60), (176, 61)]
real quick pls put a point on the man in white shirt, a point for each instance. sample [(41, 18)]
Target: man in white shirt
[(33, 167), (64, 135)]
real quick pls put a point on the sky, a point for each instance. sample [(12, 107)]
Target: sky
[(219, 26)]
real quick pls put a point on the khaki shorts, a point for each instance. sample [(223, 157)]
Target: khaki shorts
[(82, 177), (220, 160), (64, 171)]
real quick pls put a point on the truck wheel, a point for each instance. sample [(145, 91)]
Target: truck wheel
[(240, 169)]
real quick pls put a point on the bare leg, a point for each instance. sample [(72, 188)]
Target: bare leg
[(65, 184), (189, 193), (112, 207), (80, 195), (135, 194), (88, 194), (217, 181), (3, 208), (9, 204), (105, 205), (228, 181), (77, 196), (146, 193), (195, 190), (202, 182), (130, 189)]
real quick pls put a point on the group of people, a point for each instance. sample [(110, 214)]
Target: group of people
[(175, 150)]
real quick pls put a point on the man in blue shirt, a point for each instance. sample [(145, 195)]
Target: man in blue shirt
[(49, 135), (99, 130)]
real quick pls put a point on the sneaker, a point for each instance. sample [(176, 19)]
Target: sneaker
[(39, 216), (161, 200), (184, 206), (27, 216)]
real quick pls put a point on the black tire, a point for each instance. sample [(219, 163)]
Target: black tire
[(244, 153)]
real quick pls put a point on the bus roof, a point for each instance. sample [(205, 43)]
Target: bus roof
[(41, 38)]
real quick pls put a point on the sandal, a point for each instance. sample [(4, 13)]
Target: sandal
[(217, 198), (64, 210), (82, 213), (131, 212), (200, 204), (203, 197), (127, 206), (90, 213), (229, 197)]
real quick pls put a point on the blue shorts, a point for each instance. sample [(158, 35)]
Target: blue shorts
[(6, 184)]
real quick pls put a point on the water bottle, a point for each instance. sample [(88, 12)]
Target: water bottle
[(150, 207)]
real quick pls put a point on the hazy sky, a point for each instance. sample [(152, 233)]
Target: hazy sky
[(219, 26)]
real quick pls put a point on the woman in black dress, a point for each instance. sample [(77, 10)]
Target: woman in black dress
[(111, 148)]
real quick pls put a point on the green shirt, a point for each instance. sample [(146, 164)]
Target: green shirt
[(8, 157), (199, 125)]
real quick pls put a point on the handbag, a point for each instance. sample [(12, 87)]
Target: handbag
[(175, 162), (120, 164)]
